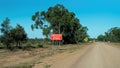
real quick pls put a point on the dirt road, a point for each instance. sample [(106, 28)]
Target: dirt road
[(98, 55)]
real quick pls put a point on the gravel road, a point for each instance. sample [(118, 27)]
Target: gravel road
[(96, 55), (100, 55)]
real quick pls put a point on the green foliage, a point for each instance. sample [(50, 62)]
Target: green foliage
[(112, 35), (37, 17), (12, 35), (5, 27), (47, 66), (40, 46), (6, 38), (80, 34), (61, 21), (20, 66), (19, 35), (46, 31), (101, 38), (28, 47)]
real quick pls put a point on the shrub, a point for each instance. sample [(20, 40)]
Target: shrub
[(28, 46), (40, 46)]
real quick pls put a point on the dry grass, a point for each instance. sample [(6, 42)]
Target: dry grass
[(114, 44), (27, 58)]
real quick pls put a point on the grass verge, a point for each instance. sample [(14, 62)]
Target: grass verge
[(64, 48)]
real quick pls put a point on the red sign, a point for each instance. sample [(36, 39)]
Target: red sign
[(56, 36)]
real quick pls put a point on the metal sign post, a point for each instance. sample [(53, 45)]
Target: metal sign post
[(55, 37)]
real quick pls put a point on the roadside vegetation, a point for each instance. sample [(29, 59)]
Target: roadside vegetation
[(12, 36), (112, 35), (56, 20), (28, 58)]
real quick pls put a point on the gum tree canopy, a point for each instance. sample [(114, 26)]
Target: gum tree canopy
[(12, 35), (112, 35), (61, 21)]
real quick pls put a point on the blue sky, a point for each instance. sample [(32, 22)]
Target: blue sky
[(97, 15)]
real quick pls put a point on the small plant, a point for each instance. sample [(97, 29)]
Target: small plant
[(40, 46), (47, 66), (20, 66), (28, 46), (1, 47)]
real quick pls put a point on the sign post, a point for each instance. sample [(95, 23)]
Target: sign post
[(86, 39), (54, 37)]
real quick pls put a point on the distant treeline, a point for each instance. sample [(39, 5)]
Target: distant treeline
[(112, 35)]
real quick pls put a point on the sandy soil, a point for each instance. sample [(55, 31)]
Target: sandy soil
[(14, 58), (97, 55), (32, 57), (63, 60)]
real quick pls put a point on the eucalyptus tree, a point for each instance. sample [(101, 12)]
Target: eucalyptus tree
[(5, 38), (113, 34), (61, 21), (19, 35), (12, 35)]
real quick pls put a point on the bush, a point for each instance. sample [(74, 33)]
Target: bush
[(20, 66), (40, 46), (28, 46), (1, 46)]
